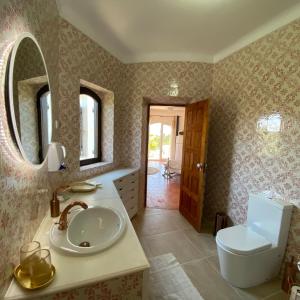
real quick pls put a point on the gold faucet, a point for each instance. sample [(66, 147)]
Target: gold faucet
[(63, 220)]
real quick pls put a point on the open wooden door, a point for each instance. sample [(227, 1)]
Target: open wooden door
[(194, 162)]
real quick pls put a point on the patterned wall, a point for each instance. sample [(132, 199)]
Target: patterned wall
[(24, 191), (260, 81), (126, 287), (82, 59), (28, 126), (254, 141), (145, 83), (152, 81)]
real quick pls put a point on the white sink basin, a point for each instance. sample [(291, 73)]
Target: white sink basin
[(91, 230)]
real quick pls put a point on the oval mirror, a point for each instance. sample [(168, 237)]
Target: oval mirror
[(29, 100)]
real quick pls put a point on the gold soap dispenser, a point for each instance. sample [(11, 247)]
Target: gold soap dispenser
[(54, 206)]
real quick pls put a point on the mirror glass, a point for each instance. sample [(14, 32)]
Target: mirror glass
[(29, 100)]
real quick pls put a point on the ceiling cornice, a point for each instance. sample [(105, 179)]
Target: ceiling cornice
[(126, 56), (168, 56)]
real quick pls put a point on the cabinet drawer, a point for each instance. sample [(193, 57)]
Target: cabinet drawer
[(126, 180), (132, 211), (131, 200), (127, 191)]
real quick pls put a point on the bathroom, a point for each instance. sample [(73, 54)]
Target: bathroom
[(249, 86)]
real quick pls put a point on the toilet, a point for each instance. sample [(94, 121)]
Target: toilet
[(251, 254)]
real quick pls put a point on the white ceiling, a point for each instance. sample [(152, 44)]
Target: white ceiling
[(176, 30)]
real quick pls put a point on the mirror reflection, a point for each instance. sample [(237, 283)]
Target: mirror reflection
[(30, 101)]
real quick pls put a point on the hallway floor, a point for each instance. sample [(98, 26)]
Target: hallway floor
[(162, 192), (166, 231)]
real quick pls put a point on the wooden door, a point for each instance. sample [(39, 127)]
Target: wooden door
[(194, 162)]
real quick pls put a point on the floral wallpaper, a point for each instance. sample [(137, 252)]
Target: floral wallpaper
[(28, 125), (254, 140), (82, 60), (71, 58), (24, 191), (144, 83), (129, 287), (254, 129)]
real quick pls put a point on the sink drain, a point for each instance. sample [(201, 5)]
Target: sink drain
[(84, 244)]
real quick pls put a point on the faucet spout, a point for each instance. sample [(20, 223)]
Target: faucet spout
[(63, 220)]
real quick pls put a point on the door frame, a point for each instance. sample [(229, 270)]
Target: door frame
[(147, 142)]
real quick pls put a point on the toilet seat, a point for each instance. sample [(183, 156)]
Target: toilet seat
[(242, 240)]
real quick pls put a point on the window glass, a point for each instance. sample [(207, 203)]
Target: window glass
[(88, 130), (90, 105)]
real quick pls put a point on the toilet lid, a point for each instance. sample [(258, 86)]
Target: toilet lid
[(242, 240)]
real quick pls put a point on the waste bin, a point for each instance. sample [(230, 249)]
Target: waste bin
[(220, 221)]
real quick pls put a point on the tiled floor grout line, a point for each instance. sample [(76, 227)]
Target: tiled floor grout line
[(200, 244), (206, 259), (195, 260), (191, 242), (216, 269), (161, 233), (236, 292), (229, 285), (272, 294)]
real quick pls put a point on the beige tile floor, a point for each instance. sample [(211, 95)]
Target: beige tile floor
[(163, 231)]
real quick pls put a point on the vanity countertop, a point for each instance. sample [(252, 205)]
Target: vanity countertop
[(124, 257)]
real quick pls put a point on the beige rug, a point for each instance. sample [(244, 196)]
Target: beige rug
[(168, 281), (152, 171)]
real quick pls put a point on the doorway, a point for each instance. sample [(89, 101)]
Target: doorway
[(165, 142), (191, 175)]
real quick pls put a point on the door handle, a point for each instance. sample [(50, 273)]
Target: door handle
[(201, 166)]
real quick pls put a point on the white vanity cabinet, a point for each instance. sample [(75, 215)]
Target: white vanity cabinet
[(124, 266), (128, 189)]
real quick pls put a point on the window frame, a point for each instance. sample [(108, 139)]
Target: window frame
[(44, 89), (86, 91)]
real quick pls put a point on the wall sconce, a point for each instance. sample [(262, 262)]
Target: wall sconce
[(174, 90)]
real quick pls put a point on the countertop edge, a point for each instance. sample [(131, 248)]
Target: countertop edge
[(111, 176)]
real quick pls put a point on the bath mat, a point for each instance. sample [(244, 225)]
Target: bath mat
[(152, 171), (168, 280)]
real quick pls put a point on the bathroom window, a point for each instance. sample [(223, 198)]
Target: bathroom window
[(44, 110), (90, 130)]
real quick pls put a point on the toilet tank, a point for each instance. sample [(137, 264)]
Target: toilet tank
[(270, 217)]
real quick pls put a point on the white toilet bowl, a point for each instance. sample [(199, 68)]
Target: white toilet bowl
[(251, 254)]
